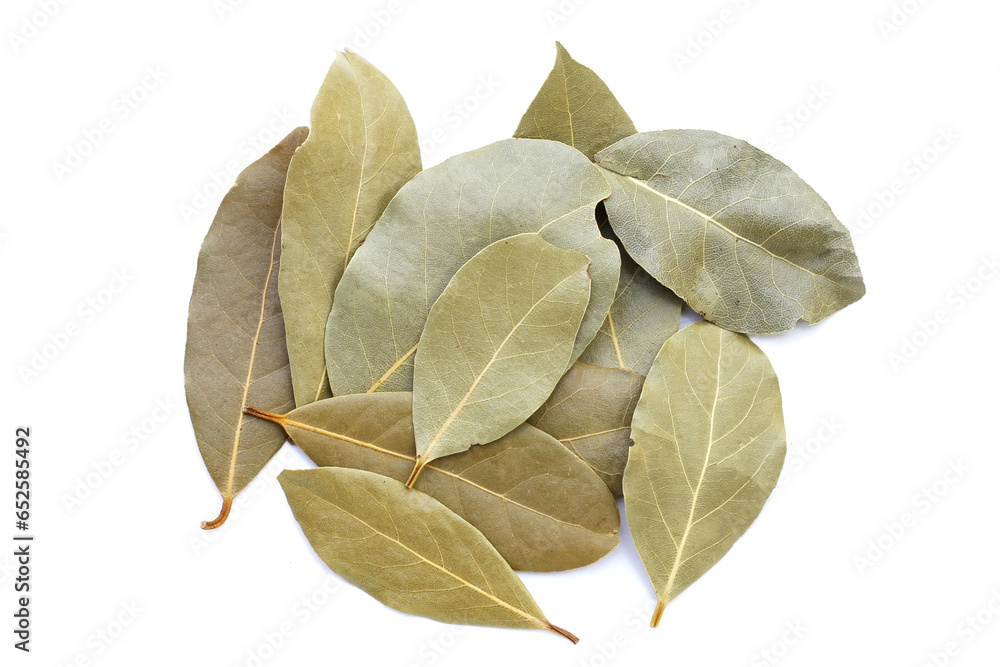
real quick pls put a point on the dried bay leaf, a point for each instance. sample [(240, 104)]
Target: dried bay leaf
[(541, 507), (590, 412), (709, 444), (361, 149), (407, 550), (642, 316), (575, 107), (236, 338), (435, 224), (730, 229), (495, 344)]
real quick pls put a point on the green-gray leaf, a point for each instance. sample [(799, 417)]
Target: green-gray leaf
[(642, 316), (709, 444), (362, 148), (730, 229), (435, 224), (407, 550), (496, 342), (575, 107), (590, 412), (541, 507), (236, 337)]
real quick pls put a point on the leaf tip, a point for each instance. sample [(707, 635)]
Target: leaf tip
[(227, 505)]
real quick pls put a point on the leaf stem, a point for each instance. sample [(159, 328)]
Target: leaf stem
[(661, 604), (565, 633), (227, 504), (264, 414), (417, 468)]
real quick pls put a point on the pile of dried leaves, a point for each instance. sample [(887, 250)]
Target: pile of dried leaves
[(470, 351)]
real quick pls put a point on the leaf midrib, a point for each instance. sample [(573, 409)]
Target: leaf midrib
[(541, 623), (357, 201), (614, 340), (569, 108), (430, 466), (710, 219), (678, 558), (392, 370), (475, 384), (595, 434), (250, 367)]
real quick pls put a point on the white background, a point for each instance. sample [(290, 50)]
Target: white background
[(867, 435)]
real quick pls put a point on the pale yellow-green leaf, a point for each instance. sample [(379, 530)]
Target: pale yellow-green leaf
[(496, 342), (709, 444), (407, 550), (731, 230), (236, 337), (590, 412), (362, 148), (575, 107), (436, 223), (541, 507)]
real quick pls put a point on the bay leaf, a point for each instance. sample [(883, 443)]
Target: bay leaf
[(576, 107), (495, 344), (435, 224), (361, 149), (731, 230), (643, 315), (541, 507), (407, 550), (236, 338), (709, 444), (590, 412)]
